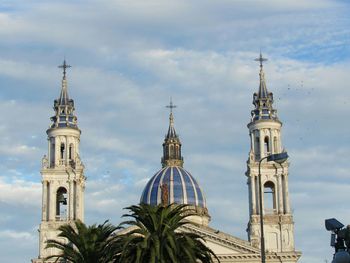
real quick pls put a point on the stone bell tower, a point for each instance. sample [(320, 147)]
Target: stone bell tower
[(265, 136), (62, 172)]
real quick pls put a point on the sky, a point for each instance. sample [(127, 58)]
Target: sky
[(129, 57)]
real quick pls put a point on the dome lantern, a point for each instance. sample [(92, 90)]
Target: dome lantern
[(172, 143)]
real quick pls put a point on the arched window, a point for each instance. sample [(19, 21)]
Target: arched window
[(52, 153), (177, 152), (171, 151), (266, 146), (275, 145), (71, 151), (257, 148), (61, 204), (269, 198), (62, 150)]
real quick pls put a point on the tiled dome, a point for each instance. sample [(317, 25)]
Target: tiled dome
[(182, 188)]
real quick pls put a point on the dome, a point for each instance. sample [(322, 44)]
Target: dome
[(182, 188)]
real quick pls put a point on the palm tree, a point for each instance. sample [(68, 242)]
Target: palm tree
[(86, 244), (155, 236)]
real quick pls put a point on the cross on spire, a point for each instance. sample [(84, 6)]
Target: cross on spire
[(171, 106), (64, 66), (261, 59)]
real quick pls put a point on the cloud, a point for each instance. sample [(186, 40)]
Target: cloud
[(13, 234), (20, 193)]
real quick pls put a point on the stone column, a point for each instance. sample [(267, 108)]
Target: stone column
[(261, 144), (253, 189), (49, 152), (271, 142), (57, 151), (286, 194), (44, 201), (77, 200), (66, 157), (71, 200), (82, 201), (52, 202), (257, 191), (252, 138), (280, 194)]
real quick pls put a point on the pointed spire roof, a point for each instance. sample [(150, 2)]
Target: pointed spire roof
[(262, 87), (172, 145), (171, 130), (263, 99), (64, 98), (64, 106)]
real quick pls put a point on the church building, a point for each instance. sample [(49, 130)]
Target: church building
[(63, 184)]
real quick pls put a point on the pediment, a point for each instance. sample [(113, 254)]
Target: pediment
[(222, 243), (230, 249)]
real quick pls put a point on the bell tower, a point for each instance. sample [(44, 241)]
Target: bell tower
[(265, 139), (62, 172)]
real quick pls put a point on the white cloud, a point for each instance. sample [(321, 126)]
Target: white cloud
[(19, 236), (20, 193)]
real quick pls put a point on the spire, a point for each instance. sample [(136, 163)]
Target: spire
[(63, 106), (172, 145), (262, 87), (63, 100), (263, 100), (171, 130)]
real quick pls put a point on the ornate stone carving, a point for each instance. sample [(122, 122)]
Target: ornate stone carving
[(44, 162)]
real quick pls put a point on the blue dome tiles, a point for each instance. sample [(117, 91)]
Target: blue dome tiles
[(182, 187)]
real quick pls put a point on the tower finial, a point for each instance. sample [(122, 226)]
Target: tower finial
[(261, 59), (64, 106), (263, 99), (171, 131), (171, 106), (64, 66)]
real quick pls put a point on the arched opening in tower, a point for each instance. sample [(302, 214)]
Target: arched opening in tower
[(266, 146), (269, 198), (70, 153), (257, 148), (62, 151), (61, 204)]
